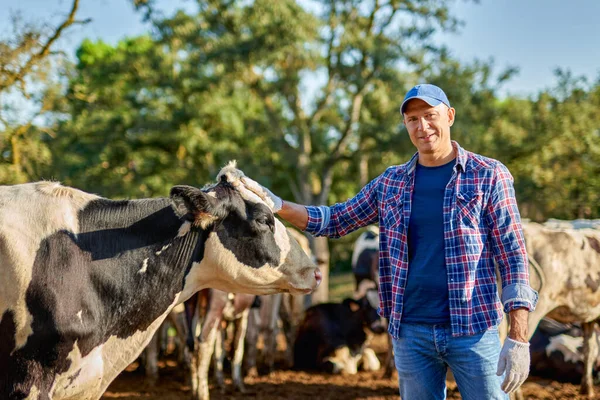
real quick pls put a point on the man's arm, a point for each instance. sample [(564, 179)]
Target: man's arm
[(518, 325), (295, 214), (335, 221)]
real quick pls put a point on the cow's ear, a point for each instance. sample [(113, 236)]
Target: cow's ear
[(352, 304), (194, 205)]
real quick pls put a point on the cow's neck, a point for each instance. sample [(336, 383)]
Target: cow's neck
[(139, 261)]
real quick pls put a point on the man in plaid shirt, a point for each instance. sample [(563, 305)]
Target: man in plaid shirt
[(444, 217)]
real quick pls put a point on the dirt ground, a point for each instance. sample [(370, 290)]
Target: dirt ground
[(294, 385)]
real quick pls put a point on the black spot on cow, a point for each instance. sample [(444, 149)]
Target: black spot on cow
[(594, 243), (7, 332), (591, 283), (256, 224)]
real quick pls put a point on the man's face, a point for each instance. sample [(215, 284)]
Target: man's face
[(429, 127)]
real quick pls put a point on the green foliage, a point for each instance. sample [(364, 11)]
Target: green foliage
[(552, 145), (27, 93)]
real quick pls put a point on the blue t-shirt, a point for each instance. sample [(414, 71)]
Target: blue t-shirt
[(426, 292)]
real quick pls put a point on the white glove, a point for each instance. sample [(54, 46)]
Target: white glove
[(515, 360), (265, 194)]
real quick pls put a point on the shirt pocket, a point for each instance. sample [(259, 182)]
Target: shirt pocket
[(393, 211), (469, 206)]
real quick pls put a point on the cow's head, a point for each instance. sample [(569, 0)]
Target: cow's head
[(246, 249)]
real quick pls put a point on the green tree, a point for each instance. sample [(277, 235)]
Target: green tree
[(349, 54), (141, 116), (299, 92), (554, 142), (26, 83)]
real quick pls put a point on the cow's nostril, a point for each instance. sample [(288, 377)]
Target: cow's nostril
[(318, 275)]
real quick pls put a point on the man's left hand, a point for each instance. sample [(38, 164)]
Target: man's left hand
[(514, 361)]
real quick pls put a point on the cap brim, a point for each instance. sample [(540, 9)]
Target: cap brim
[(429, 100)]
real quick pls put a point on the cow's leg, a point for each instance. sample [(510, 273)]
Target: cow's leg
[(369, 360), (251, 342), (590, 349), (151, 360), (290, 312), (341, 361), (390, 364), (194, 365), (177, 320), (219, 356), (191, 344), (269, 329), (204, 354), (238, 356)]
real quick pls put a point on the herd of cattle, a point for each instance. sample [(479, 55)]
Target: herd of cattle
[(331, 337), (89, 283), (564, 268)]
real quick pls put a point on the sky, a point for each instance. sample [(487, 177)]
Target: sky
[(537, 36)]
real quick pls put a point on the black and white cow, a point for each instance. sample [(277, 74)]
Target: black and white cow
[(86, 280), (557, 352), (365, 267), (365, 256), (332, 336)]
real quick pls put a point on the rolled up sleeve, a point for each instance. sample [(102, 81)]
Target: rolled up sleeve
[(519, 295)]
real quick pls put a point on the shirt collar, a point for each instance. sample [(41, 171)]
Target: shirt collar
[(461, 160)]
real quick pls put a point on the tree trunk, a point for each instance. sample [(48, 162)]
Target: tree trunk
[(320, 248), (363, 168)]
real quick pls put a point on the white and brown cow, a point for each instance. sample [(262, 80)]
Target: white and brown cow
[(564, 268), (86, 280), (214, 311)]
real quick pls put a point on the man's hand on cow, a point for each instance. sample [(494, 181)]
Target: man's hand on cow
[(514, 362), (265, 194)]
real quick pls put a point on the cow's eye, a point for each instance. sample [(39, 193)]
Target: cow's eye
[(264, 222)]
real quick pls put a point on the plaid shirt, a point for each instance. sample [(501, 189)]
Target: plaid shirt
[(481, 224)]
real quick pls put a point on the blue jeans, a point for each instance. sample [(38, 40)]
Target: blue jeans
[(423, 353)]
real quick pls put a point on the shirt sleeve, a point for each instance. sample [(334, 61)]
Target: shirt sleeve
[(342, 218), (508, 243)]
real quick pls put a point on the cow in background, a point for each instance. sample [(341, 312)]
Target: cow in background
[(87, 281), (557, 352), (215, 310), (264, 321), (564, 267), (365, 266), (332, 337), (365, 256)]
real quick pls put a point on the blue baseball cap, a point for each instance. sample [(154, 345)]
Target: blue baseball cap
[(430, 94)]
